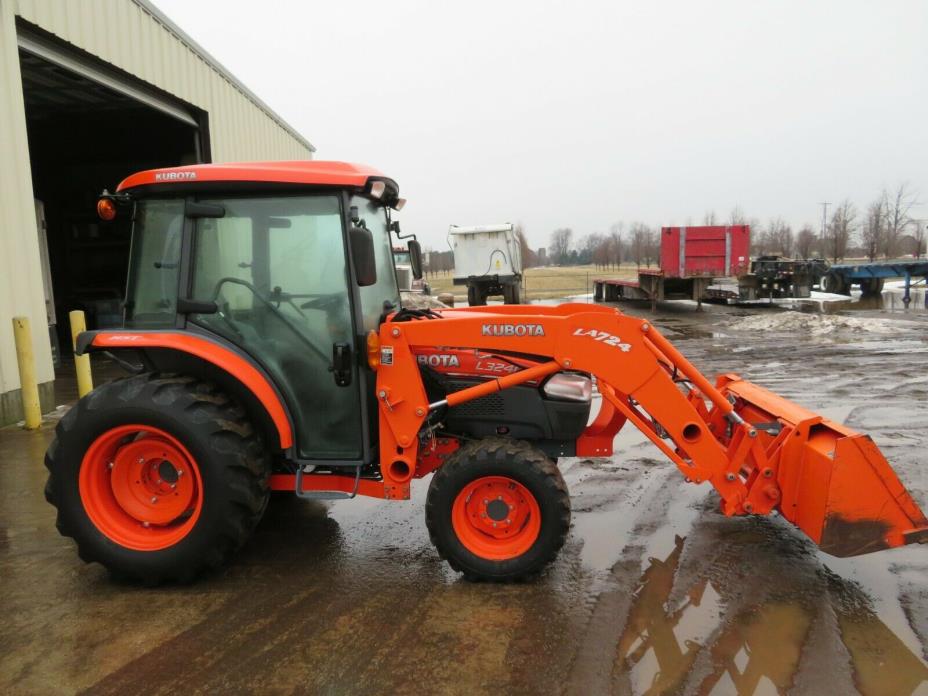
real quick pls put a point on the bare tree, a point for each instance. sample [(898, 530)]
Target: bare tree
[(777, 238), (919, 235), (840, 230), (737, 216), (589, 248), (614, 242), (806, 241), (709, 218), (896, 209), (639, 242), (874, 228), (559, 247)]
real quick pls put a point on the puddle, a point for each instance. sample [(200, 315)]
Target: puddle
[(756, 638)]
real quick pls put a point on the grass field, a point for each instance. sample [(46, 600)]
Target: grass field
[(543, 283)]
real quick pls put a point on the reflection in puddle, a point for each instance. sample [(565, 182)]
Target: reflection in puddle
[(701, 642), (890, 300), (659, 645)]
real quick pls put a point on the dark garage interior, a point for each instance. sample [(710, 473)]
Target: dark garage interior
[(85, 137)]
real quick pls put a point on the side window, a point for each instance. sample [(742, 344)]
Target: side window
[(154, 264), (385, 289)]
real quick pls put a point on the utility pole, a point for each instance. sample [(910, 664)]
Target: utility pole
[(824, 205)]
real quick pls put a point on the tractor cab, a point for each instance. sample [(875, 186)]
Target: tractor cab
[(290, 263)]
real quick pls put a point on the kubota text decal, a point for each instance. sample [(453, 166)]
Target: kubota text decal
[(512, 330)]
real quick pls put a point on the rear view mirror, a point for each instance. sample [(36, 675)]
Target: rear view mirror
[(415, 258), (362, 253)]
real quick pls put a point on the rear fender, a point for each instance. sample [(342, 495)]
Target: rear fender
[(182, 352)]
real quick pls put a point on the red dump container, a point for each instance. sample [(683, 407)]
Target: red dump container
[(713, 250)]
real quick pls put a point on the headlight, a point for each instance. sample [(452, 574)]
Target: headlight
[(569, 387)]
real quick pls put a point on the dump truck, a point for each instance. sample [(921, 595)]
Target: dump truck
[(488, 260), (267, 351)]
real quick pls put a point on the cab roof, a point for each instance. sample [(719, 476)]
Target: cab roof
[(297, 172)]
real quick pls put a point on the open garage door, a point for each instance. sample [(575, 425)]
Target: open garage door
[(90, 126)]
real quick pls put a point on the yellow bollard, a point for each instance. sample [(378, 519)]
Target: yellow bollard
[(81, 362), (22, 336)]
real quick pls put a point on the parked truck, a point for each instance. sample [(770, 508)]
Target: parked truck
[(488, 260)]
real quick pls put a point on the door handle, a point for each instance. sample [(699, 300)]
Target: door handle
[(341, 364)]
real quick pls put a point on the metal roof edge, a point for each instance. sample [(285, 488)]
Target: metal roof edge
[(181, 35)]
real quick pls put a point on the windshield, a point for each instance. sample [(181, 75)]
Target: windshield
[(401, 258), (374, 218)]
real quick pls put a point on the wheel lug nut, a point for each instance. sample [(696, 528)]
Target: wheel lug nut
[(485, 501), (508, 521), (154, 499), (180, 472), (173, 485), (483, 514), (110, 465), (494, 525), (160, 482), (141, 460), (145, 524)]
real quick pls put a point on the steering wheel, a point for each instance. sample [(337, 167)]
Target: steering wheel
[(326, 303), (275, 311)]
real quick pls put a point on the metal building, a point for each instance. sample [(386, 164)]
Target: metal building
[(91, 91)]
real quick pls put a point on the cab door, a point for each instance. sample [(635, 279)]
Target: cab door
[(277, 269)]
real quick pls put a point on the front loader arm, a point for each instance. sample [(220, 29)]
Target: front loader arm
[(757, 459)]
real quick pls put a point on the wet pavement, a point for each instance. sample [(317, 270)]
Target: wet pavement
[(654, 592)]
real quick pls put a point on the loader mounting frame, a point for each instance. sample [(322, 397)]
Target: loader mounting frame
[(761, 452)]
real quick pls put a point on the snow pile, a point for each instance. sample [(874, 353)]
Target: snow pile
[(815, 324), (416, 300)]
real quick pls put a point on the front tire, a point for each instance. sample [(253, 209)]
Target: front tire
[(157, 477), (498, 509)]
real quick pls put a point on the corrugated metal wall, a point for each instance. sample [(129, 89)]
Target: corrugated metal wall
[(131, 35)]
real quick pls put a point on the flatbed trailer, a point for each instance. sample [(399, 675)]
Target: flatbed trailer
[(871, 276), (691, 259), (652, 285)]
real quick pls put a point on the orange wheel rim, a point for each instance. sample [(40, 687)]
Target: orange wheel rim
[(496, 518), (140, 487)]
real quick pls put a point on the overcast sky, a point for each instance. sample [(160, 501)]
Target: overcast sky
[(581, 114)]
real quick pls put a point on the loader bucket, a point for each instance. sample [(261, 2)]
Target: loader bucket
[(833, 483)]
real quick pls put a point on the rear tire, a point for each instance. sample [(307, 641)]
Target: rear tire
[(476, 297), (871, 286), (512, 294), (137, 437), (506, 481), (833, 283)]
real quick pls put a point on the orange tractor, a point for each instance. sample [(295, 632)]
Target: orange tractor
[(269, 353)]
